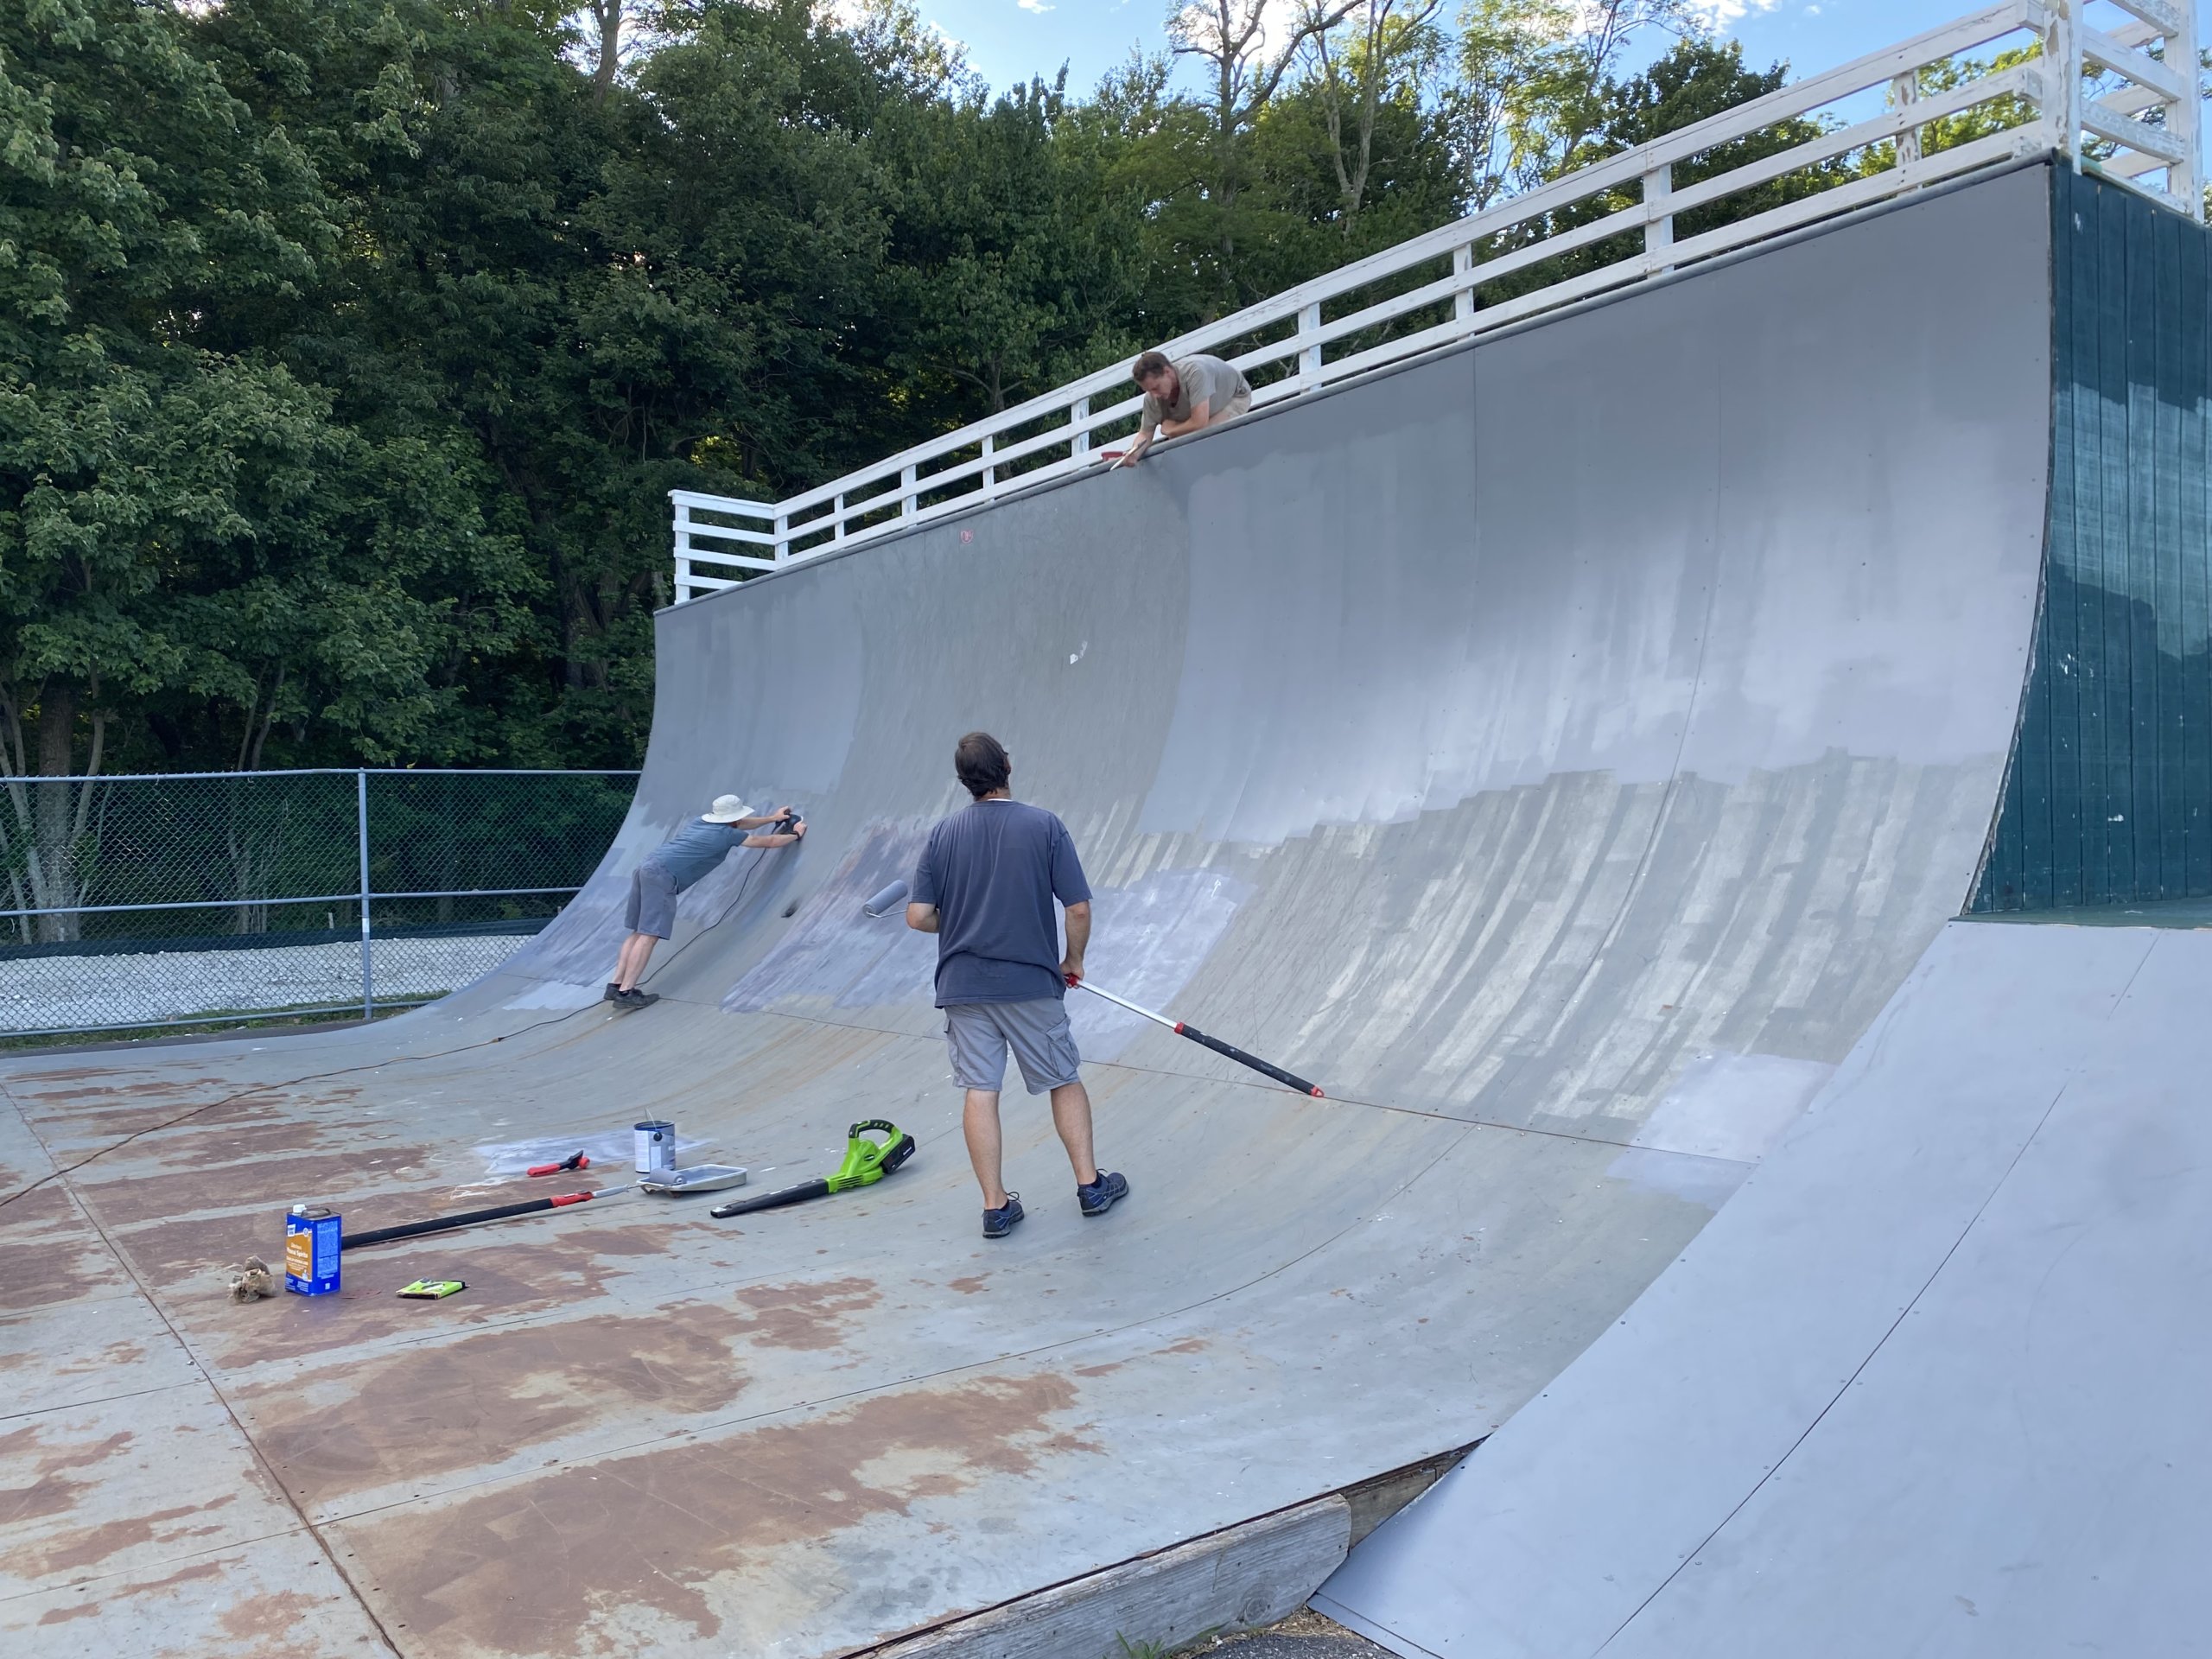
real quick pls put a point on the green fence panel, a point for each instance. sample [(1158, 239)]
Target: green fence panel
[(2106, 800)]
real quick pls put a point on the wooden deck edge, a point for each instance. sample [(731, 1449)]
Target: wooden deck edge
[(1244, 1576)]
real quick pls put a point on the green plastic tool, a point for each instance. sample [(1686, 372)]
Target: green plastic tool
[(866, 1163)]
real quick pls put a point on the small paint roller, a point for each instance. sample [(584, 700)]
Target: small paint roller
[(894, 894)]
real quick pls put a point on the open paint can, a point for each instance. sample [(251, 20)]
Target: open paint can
[(656, 1146)]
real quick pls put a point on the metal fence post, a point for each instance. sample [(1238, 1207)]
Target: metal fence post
[(361, 813)]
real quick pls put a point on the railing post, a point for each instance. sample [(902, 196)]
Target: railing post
[(1905, 93), (783, 537), (361, 824), (683, 551), (2061, 52), (906, 480), (990, 473), (1309, 360), (2185, 118), (1078, 414), (1659, 220), (1463, 266), (837, 525)]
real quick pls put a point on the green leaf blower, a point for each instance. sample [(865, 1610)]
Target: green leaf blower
[(866, 1163)]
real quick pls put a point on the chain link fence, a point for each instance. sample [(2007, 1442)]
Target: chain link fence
[(203, 899)]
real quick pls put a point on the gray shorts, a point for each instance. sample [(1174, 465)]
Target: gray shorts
[(979, 1034), (652, 902)]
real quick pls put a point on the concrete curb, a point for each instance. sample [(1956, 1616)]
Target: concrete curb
[(1238, 1578), (1248, 1575)]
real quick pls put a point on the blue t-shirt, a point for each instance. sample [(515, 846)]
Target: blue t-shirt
[(993, 871), (695, 849)]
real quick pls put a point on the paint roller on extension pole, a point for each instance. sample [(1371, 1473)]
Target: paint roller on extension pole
[(466, 1218), (896, 893), (1288, 1079)]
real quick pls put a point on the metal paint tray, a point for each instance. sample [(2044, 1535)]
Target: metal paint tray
[(700, 1177)]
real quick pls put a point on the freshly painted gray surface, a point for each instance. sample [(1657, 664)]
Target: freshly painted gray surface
[(1560, 750), (1931, 1384)]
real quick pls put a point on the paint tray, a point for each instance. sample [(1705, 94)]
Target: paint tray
[(700, 1177)]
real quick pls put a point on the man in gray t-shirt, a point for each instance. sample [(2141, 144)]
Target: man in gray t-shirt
[(985, 886), (1187, 395), (683, 860)]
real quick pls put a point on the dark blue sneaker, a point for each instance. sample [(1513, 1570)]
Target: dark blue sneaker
[(1103, 1193), (997, 1224)]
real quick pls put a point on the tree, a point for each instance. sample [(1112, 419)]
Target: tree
[(1249, 45), (1532, 78), (134, 198), (1389, 44)]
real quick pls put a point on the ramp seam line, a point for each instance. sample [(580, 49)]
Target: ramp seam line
[(60, 1172), (1423, 1113), (1936, 1273), (207, 1375)]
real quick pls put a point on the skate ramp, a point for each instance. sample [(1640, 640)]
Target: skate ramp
[(1928, 1384), (1561, 750)]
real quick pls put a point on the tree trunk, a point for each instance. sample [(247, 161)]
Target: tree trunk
[(54, 870), (607, 15)]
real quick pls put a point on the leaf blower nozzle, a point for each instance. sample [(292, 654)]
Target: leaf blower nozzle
[(894, 894)]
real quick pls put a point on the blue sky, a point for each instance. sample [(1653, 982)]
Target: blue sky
[(1008, 41)]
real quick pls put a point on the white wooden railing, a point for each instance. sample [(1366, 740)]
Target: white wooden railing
[(2097, 94)]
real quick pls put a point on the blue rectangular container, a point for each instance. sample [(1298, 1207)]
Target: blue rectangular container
[(313, 1237)]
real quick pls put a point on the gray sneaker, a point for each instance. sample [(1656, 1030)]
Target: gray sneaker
[(1103, 1193), (634, 999)]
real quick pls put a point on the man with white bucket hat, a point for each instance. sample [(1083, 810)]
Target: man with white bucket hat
[(683, 860)]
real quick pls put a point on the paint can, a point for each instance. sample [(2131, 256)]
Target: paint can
[(313, 1237), (656, 1143)]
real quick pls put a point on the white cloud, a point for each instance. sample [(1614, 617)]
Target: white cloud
[(1037, 6), (1719, 13)]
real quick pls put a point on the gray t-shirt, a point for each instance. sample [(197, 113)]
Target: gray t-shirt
[(695, 849), (1207, 380), (993, 871)]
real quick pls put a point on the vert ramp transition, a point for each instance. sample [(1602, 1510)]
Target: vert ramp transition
[(1560, 749)]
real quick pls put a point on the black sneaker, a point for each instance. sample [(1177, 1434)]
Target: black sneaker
[(1103, 1193), (613, 992), (634, 999), (998, 1222)]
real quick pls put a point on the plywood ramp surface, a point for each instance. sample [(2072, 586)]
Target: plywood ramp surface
[(1560, 750)]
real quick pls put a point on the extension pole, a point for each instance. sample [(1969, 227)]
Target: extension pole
[(466, 1218), (1288, 1079)]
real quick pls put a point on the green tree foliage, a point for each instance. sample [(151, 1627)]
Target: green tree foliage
[(348, 348)]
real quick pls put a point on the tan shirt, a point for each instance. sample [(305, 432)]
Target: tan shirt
[(1207, 380)]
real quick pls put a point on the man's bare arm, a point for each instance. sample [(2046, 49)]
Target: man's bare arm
[(1078, 923), (1201, 416), (922, 918)]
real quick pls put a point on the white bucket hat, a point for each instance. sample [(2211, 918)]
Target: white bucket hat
[(726, 809)]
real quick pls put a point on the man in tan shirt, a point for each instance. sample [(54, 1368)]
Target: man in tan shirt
[(1188, 394)]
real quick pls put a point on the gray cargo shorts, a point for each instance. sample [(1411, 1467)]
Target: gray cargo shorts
[(652, 902), (979, 1034)]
